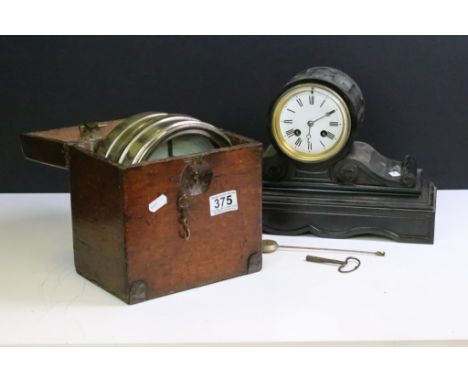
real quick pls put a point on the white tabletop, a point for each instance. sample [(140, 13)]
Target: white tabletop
[(415, 293)]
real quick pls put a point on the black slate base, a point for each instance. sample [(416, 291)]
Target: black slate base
[(342, 212)]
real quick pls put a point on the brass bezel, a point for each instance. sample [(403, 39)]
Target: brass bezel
[(281, 141)]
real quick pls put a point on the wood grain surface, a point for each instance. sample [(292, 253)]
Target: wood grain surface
[(136, 254)]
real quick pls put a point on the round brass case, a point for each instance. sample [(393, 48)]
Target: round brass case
[(112, 145), (281, 140), (145, 144), (153, 136), (145, 132)]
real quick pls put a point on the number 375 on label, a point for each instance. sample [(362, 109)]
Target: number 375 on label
[(224, 202)]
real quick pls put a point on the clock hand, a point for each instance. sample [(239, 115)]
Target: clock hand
[(325, 115), (311, 123), (308, 136)]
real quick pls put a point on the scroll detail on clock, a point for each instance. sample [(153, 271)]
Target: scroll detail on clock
[(317, 179)]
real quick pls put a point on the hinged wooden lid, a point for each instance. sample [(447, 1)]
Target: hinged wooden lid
[(50, 146)]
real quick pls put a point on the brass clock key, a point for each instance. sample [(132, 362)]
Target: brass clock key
[(350, 264)]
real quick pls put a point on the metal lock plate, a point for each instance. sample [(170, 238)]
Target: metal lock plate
[(196, 177)]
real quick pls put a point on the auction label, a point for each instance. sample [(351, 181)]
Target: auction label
[(224, 202), (157, 203)]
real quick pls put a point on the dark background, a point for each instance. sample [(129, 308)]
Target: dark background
[(416, 90)]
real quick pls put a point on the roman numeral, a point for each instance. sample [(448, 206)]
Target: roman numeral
[(323, 102), (334, 123), (287, 121), (298, 141), (299, 101), (311, 99), (322, 144), (309, 146), (292, 111), (290, 133), (330, 135)]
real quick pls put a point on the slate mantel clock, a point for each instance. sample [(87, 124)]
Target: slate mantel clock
[(319, 180)]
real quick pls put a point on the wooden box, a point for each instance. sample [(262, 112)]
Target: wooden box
[(136, 254)]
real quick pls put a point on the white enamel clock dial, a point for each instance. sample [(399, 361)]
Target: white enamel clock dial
[(311, 123)]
